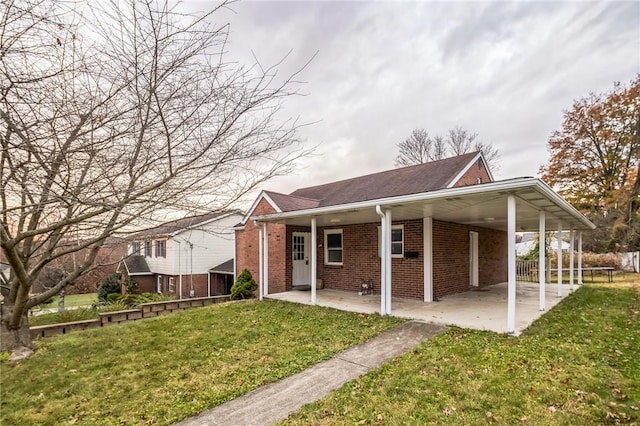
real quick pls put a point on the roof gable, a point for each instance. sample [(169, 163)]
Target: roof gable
[(136, 265), (403, 181), (478, 158)]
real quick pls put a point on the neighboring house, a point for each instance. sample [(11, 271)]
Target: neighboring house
[(420, 232), (187, 257), (527, 245)]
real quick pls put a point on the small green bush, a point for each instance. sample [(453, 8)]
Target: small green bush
[(244, 286), (68, 315), (113, 297), (109, 285), (116, 305), (151, 297), (131, 286)]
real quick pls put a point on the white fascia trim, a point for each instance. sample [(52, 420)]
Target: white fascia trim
[(546, 189), (502, 186), (265, 196), (473, 161)]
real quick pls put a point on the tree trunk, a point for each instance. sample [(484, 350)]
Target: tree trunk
[(61, 301), (11, 339)]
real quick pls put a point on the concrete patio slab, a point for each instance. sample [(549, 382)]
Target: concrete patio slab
[(482, 309)]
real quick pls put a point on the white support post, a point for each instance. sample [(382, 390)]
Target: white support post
[(559, 252), (542, 248), (383, 261), (580, 258), (260, 263), (314, 254), (571, 259), (388, 260), (511, 263), (428, 258), (265, 262)]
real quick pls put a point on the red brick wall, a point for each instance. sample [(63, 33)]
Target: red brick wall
[(476, 171), (248, 250), (146, 283), (200, 285), (361, 261), (451, 257)]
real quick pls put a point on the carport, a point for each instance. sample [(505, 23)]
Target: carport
[(522, 204)]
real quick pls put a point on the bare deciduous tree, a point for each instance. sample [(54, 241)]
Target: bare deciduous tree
[(110, 111), (421, 148), (416, 149)]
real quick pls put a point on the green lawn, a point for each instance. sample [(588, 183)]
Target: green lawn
[(579, 364), (73, 300), (164, 369)]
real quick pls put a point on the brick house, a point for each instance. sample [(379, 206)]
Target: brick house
[(420, 232), (189, 257)]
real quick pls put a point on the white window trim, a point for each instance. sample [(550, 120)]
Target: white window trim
[(397, 256), (164, 251), (328, 232)]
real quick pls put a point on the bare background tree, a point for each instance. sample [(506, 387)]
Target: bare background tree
[(420, 148), (111, 111)]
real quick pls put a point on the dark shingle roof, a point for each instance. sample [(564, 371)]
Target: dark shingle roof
[(136, 265), (403, 181), (289, 203), (223, 268)]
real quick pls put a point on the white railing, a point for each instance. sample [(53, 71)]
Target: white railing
[(527, 270)]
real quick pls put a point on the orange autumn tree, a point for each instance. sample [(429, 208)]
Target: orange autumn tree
[(594, 164)]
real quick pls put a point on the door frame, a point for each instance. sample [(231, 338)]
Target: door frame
[(473, 259), (306, 247)]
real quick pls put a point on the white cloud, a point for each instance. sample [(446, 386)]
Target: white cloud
[(505, 70)]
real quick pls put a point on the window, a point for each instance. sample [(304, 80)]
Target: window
[(298, 247), (161, 248), (397, 241), (147, 248), (333, 247), (136, 248)]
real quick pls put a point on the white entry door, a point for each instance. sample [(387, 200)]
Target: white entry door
[(473, 259), (300, 253)]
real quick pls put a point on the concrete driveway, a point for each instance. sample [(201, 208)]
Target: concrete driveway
[(483, 309)]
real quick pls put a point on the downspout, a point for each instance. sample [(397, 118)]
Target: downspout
[(260, 261), (179, 268), (383, 252)]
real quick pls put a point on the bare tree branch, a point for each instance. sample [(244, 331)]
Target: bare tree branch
[(111, 111)]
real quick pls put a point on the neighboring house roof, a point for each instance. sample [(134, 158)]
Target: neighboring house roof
[(416, 179), (174, 227), (524, 248), (136, 265), (223, 268)]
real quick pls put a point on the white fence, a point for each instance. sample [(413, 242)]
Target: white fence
[(630, 261)]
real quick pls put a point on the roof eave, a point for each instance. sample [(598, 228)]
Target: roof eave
[(501, 186)]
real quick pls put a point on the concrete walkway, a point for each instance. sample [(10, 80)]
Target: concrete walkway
[(274, 402)]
